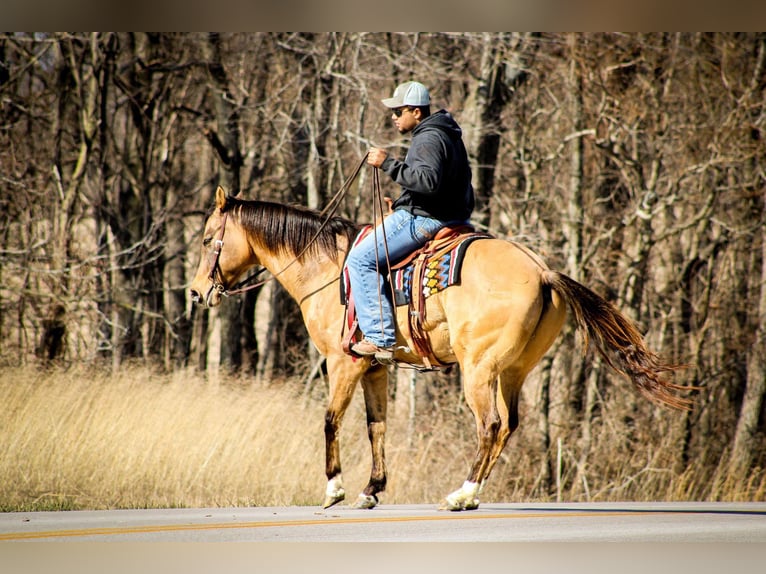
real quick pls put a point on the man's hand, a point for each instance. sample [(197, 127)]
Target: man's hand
[(376, 156)]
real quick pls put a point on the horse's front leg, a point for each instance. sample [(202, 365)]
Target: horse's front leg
[(342, 384), (375, 386)]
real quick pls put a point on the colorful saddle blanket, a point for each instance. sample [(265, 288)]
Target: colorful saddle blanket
[(441, 268), (440, 271)]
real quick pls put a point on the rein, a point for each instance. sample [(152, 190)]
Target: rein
[(377, 207), (247, 283)]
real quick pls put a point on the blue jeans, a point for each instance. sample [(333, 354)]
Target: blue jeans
[(405, 232)]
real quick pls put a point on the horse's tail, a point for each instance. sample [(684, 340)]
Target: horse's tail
[(618, 341)]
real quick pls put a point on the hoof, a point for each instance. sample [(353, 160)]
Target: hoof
[(465, 498), (333, 500), (334, 492), (456, 506), (366, 501)]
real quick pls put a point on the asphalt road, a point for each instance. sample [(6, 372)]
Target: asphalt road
[(695, 537), (615, 522)]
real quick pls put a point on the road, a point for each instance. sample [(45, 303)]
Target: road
[(729, 537), (673, 522)]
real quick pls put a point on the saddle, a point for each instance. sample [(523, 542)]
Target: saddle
[(424, 272)]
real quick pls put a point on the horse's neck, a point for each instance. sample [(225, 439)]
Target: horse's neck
[(301, 278)]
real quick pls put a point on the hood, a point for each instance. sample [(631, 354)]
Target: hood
[(442, 120)]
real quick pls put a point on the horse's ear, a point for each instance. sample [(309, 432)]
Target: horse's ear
[(220, 198)]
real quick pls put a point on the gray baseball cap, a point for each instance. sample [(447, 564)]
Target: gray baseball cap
[(408, 94)]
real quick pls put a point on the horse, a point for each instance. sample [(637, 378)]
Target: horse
[(497, 324)]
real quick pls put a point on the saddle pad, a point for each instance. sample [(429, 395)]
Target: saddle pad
[(441, 272)]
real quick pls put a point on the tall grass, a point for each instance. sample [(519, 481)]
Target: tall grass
[(87, 439), (141, 439), (84, 438)]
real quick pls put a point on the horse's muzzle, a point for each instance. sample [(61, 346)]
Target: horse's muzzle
[(196, 297), (211, 299)]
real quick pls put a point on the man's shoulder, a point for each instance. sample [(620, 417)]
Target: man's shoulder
[(441, 124)]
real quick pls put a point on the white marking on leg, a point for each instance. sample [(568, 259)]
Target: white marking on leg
[(335, 487), (366, 501), (471, 489), (465, 497)]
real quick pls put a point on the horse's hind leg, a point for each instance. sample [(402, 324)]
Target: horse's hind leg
[(375, 386), (509, 387), (512, 378), (481, 396)]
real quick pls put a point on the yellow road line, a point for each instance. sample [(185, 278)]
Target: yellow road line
[(106, 531)]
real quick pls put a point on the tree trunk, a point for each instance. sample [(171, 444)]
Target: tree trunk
[(747, 437), (225, 140), (79, 78), (485, 107), (178, 331), (573, 228), (545, 475)]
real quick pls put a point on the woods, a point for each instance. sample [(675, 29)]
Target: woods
[(631, 162)]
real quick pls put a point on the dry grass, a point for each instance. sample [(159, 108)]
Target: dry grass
[(144, 440), (86, 439)]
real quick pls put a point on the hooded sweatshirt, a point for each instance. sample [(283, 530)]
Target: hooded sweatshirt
[(435, 175)]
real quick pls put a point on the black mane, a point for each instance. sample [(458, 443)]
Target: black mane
[(290, 228)]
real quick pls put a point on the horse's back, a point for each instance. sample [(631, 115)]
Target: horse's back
[(500, 303), (497, 272)]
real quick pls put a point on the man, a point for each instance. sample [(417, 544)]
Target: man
[(435, 178)]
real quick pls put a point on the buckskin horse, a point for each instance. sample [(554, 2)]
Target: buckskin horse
[(496, 325)]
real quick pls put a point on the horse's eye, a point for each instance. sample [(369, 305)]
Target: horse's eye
[(206, 241)]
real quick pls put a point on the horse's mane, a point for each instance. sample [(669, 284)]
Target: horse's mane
[(290, 228)]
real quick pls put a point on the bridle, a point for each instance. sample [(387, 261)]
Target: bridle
[(215, 266), (216, 274)]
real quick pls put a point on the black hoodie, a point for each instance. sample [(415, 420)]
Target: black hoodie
[(435, 175)]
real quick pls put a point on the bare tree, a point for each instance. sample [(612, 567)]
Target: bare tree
[(749, 431), (235, 316), (632, 161)]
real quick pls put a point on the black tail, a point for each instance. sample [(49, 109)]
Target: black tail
[(619, 342)]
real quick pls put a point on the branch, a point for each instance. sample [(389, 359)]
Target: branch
[(220, 149)]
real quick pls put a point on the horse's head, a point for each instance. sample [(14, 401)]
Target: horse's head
[(225, 255)]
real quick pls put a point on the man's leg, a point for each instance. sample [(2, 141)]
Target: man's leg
[(404, 233)]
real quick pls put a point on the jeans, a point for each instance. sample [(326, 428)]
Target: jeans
[(405, 232)]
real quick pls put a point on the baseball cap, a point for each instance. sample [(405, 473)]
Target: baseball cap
[(408, 94)]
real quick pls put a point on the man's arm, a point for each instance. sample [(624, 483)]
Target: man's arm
[(422, 172)]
